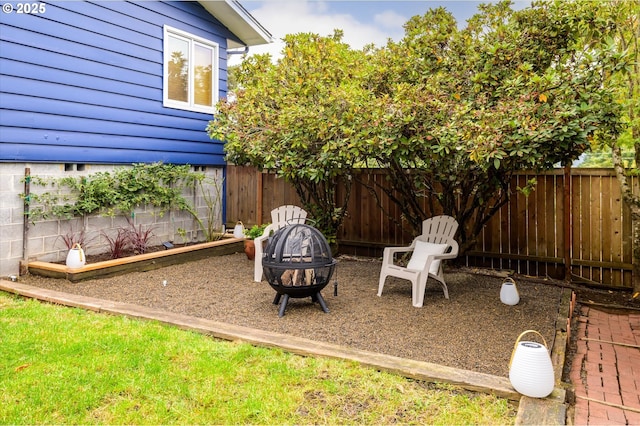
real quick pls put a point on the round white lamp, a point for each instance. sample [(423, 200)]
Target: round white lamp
[(75, 257), (530, 368), (509, 292), (238, 230)]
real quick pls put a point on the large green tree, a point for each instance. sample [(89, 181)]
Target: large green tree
[(611, 29), (450, 113), (464, 109), (300, 117), (627, 38)]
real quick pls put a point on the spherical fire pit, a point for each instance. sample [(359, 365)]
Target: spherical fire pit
[(297, 263)]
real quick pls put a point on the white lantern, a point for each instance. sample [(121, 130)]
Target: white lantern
[(530, 368), (509, 292), (238, 230), (75, 257)]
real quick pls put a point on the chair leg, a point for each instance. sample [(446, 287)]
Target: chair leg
[(417, 292), (257, 271), (418, 297), (257, 265), (445, 289), (381, 284), (440, 279)]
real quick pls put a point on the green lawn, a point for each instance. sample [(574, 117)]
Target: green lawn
[(64, 365)]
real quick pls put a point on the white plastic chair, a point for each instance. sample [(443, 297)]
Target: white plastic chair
[(280, 217), (435, 244)]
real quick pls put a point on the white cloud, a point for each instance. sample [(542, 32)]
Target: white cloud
[(291, 17), (390, 19), (362, 21)]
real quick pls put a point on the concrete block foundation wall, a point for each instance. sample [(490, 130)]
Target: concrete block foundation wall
[(45, 238)]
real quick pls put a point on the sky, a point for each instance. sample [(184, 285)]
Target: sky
[(363, 21)]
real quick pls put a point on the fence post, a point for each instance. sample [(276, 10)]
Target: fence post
[(567, 222), (259, 190), (25, 220)]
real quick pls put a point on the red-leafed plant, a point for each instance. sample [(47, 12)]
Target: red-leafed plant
[(139, 238), (118, 244), (73, 237)]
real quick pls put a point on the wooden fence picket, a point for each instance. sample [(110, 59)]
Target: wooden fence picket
[(527, 235)]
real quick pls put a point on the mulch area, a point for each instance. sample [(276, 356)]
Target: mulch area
[(472, 330)]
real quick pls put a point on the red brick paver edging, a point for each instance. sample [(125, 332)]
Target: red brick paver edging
[(605, 371)]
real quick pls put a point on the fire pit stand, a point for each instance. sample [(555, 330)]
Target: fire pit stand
[(297, 263), (316, 297)]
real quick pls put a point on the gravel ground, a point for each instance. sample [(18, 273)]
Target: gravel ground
[(472, 330)]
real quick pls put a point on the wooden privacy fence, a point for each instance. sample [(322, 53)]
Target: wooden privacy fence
[(582, 220)]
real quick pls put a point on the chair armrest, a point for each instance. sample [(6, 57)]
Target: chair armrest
[(259, 244), (387, 257), (450, 255), (265, 234), (445, 256)]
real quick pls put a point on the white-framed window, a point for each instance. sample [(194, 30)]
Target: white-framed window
[(190, 79)]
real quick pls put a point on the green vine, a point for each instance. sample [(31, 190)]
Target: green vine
[(116, 193)]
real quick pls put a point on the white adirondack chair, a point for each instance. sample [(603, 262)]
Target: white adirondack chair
[(280, 217), (435, 244)]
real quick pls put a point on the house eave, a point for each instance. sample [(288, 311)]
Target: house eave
[(239, 21)]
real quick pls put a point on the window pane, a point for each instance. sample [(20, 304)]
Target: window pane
[(178, 66), (203, 72)]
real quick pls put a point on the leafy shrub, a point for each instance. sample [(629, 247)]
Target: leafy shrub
[(72, 237), (118, 244), (138, 238), (255, 231), (121, 191)]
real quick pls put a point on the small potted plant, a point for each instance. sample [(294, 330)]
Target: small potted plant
[(252, 233)]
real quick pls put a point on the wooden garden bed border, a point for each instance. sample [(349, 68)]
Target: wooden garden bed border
[(141, 262)]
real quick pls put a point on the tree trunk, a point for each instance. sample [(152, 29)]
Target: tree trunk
[(635, 274), (633, 201)]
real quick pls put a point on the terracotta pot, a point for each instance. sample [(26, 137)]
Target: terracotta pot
[(250, 249)]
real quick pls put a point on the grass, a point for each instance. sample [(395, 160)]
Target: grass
[(68, 366)]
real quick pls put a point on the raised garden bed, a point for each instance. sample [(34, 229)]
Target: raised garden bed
[(140, 262)]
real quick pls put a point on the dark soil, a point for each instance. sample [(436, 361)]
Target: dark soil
[(610, 300), (472, 330), (100, 257)]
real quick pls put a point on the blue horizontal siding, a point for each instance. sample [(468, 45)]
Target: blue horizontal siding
[(52, 36), (59, 80), (85, 79), (33, 96), (80, 154), (98, 112), (143, 76), (95, 140), (98, 20), (116, 47), (88, 125)]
